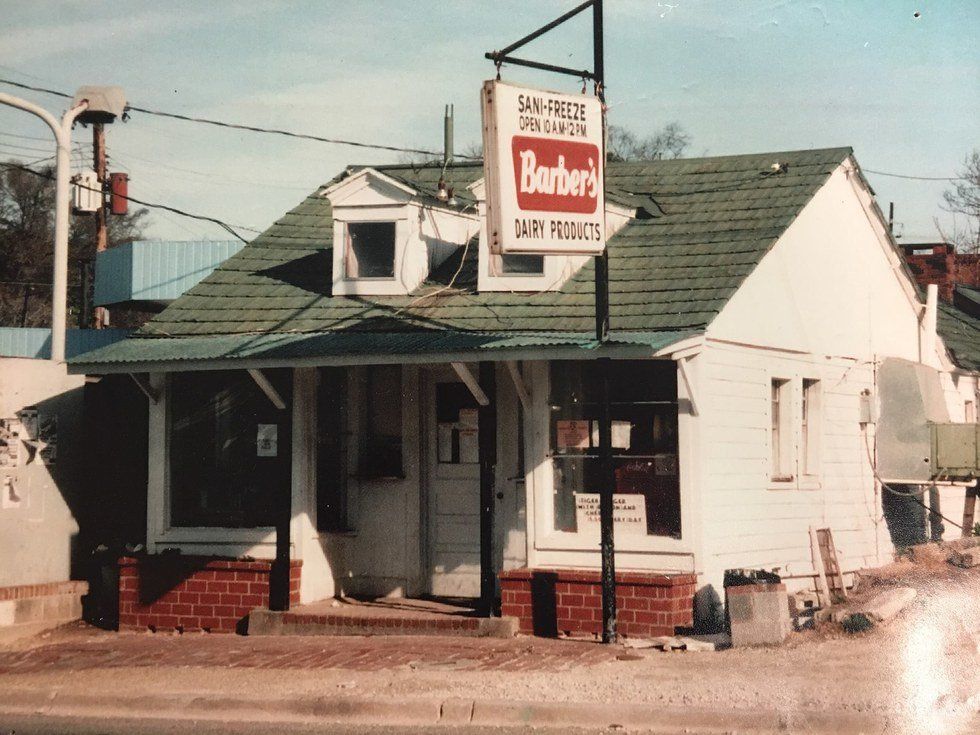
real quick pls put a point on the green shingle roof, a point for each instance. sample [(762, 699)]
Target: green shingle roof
[(669, 272), (960, 329)]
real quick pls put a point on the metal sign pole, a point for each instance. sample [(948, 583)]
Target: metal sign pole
[(607, 478)]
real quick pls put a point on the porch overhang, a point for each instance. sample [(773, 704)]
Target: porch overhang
[(271, 350)]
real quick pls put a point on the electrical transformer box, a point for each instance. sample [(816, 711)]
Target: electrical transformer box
[(86, 192)]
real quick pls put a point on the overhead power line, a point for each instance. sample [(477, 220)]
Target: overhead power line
[(152, 205), (251, 128), (913, 178), (360, 144)]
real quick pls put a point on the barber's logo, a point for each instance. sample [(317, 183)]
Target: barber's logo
[(556, 175)]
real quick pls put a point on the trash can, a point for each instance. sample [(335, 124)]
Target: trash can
[(757, 607)]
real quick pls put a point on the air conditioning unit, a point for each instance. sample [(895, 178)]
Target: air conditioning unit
[(955, 451), (87, 194)]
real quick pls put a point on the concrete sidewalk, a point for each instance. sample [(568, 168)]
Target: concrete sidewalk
[(453, 712), (919, 674)]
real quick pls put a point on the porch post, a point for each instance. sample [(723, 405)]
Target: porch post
[(279, 573), (487, 423)]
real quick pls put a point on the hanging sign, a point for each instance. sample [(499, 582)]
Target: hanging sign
[(543, 170)]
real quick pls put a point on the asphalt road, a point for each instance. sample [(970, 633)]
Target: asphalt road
[(44, 725)]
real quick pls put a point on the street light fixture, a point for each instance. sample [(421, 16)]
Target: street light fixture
[(91, 104)]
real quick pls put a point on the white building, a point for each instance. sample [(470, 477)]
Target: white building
[(335, 358)]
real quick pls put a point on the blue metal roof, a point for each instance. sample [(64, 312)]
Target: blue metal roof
[(35, 343), (156, 270)]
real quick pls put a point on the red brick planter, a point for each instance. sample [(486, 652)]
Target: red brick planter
[(171, 592), (552, 601)]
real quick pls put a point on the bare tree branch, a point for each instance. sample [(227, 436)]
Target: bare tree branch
[(964, 199)]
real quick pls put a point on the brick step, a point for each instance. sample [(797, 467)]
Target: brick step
[(269, 622)]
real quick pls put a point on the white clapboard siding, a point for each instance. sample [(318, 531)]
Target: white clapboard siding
[(753, 522)]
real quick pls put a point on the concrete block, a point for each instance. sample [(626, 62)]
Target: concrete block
[(265, 622), (49, 608), (885, 606), (503, 627), (758, 614)]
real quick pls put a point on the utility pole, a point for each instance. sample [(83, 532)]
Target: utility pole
[(101, 232)]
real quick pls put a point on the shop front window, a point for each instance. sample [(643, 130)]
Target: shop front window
[(229, 449), (643, 410)]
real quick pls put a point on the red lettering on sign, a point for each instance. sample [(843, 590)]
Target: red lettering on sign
[(556, 175)]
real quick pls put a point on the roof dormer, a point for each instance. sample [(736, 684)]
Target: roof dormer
[(536, 272), (388, 236)]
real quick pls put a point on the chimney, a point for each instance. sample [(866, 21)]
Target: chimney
[(447, 136), (927, 338)]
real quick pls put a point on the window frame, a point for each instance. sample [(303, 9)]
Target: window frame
[(554, 547), (780, 430), (642, 409), (811, 429), (161, 530), (498, 271), (348, 253)]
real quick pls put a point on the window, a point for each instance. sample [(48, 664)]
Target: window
[(521, 265), (644, 436), (370, 250), (331, 450), (781, 441), (810, 427), (457, 414), (381, 439), (970, 412), (221, 475)]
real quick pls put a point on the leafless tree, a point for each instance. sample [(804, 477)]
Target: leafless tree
[(669, 142), (964, 199)]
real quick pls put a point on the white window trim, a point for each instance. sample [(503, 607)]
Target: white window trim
[(795, 453), (393, 286), (786, 478), (346, 242), (811, 444), (160, 530), (540, 485)]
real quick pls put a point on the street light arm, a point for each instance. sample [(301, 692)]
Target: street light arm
[(21, 104), (62, 136), (62, 193)]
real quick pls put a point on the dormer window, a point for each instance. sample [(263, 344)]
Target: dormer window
[(387, 236), (369, 250), (521, 265)]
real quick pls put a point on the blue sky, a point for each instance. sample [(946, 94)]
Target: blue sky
[(740, 77)]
